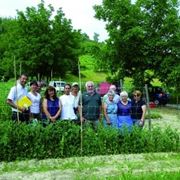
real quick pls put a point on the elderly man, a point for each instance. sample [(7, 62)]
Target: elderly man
[(91, 105)]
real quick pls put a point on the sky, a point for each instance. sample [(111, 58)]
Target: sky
[(80, 12)]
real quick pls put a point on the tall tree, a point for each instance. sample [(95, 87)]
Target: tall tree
[(142, 36), (44, 44)]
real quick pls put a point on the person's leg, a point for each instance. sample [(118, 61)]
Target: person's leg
[(14, 116)]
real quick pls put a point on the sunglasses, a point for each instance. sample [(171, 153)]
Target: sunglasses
[(136, 95)]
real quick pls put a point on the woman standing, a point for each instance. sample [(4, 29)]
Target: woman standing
[(35, 98), (51, 105), (110, 110), (138, 109), (124, 112)]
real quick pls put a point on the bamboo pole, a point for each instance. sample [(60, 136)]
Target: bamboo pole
[(15, 76), (148, 109), (81, 120)]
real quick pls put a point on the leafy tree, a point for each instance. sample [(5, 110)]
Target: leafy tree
[(141, 37), (8, 32), (44, 44)]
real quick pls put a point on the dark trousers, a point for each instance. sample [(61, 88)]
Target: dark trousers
[(23, 117)]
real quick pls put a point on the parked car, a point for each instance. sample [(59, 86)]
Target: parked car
[(158, 95), (59, 85)]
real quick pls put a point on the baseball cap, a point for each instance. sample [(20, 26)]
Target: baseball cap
[(75, 84)]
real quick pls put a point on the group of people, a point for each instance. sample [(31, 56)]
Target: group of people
[(88, 107), (124, 112)]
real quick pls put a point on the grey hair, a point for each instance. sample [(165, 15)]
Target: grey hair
[(123, 93), (111, 93), (89, 83)]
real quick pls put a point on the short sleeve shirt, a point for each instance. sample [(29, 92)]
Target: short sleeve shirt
[(16, 93), (136, 109), (91, 106)]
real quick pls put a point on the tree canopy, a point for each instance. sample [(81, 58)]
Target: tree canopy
[(40, 42), (142, 36)]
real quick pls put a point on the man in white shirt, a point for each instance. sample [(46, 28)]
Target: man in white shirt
[(67, 101), (16, 93)]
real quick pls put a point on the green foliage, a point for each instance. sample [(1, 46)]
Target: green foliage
[(41, 44), (153, 115), (21, 141), (143, 36)]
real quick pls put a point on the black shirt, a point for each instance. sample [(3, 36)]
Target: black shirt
[(136, 109)]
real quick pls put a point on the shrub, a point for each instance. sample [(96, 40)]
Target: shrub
[(63, 139)]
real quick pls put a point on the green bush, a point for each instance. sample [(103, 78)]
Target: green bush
[(63, 139)]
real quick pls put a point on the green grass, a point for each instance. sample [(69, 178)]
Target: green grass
[(134, 166)]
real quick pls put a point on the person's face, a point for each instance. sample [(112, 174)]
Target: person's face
[(110, 97), (23, 80), (75, 89), (113, 88), (136, 97), (67, 90), (34, 87), (51, 93), (124, 98), (90, 88)]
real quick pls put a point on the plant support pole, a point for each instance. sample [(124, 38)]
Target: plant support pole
[(80, 109), (16, 86), (148, 110)]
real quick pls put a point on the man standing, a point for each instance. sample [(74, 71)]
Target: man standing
[(91, 105), (15, 94)]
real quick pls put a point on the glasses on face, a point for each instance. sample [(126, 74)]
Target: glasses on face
[(90, 86), (136, 95)]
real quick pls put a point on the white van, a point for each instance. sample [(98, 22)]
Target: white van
[(59, 85)]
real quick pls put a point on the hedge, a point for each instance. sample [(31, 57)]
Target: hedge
[(19, 141)]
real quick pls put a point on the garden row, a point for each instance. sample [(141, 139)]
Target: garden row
[(63, 139)]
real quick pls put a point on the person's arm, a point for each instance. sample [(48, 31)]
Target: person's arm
[(12, 104), (45, 108), (143, 113), (105, 114), (58, 112)]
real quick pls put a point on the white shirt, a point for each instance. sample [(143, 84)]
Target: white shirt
[(36, 99), (76, 99), (16, 93), (67, 107)]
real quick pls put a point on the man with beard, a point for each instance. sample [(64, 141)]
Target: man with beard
[(91, 105)]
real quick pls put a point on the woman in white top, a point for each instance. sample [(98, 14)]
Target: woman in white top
[(67, 101), (35, 97)]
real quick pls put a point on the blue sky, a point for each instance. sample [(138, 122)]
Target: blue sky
[(79, 11)]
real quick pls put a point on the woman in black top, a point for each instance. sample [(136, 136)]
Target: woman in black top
[(138, 109)]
